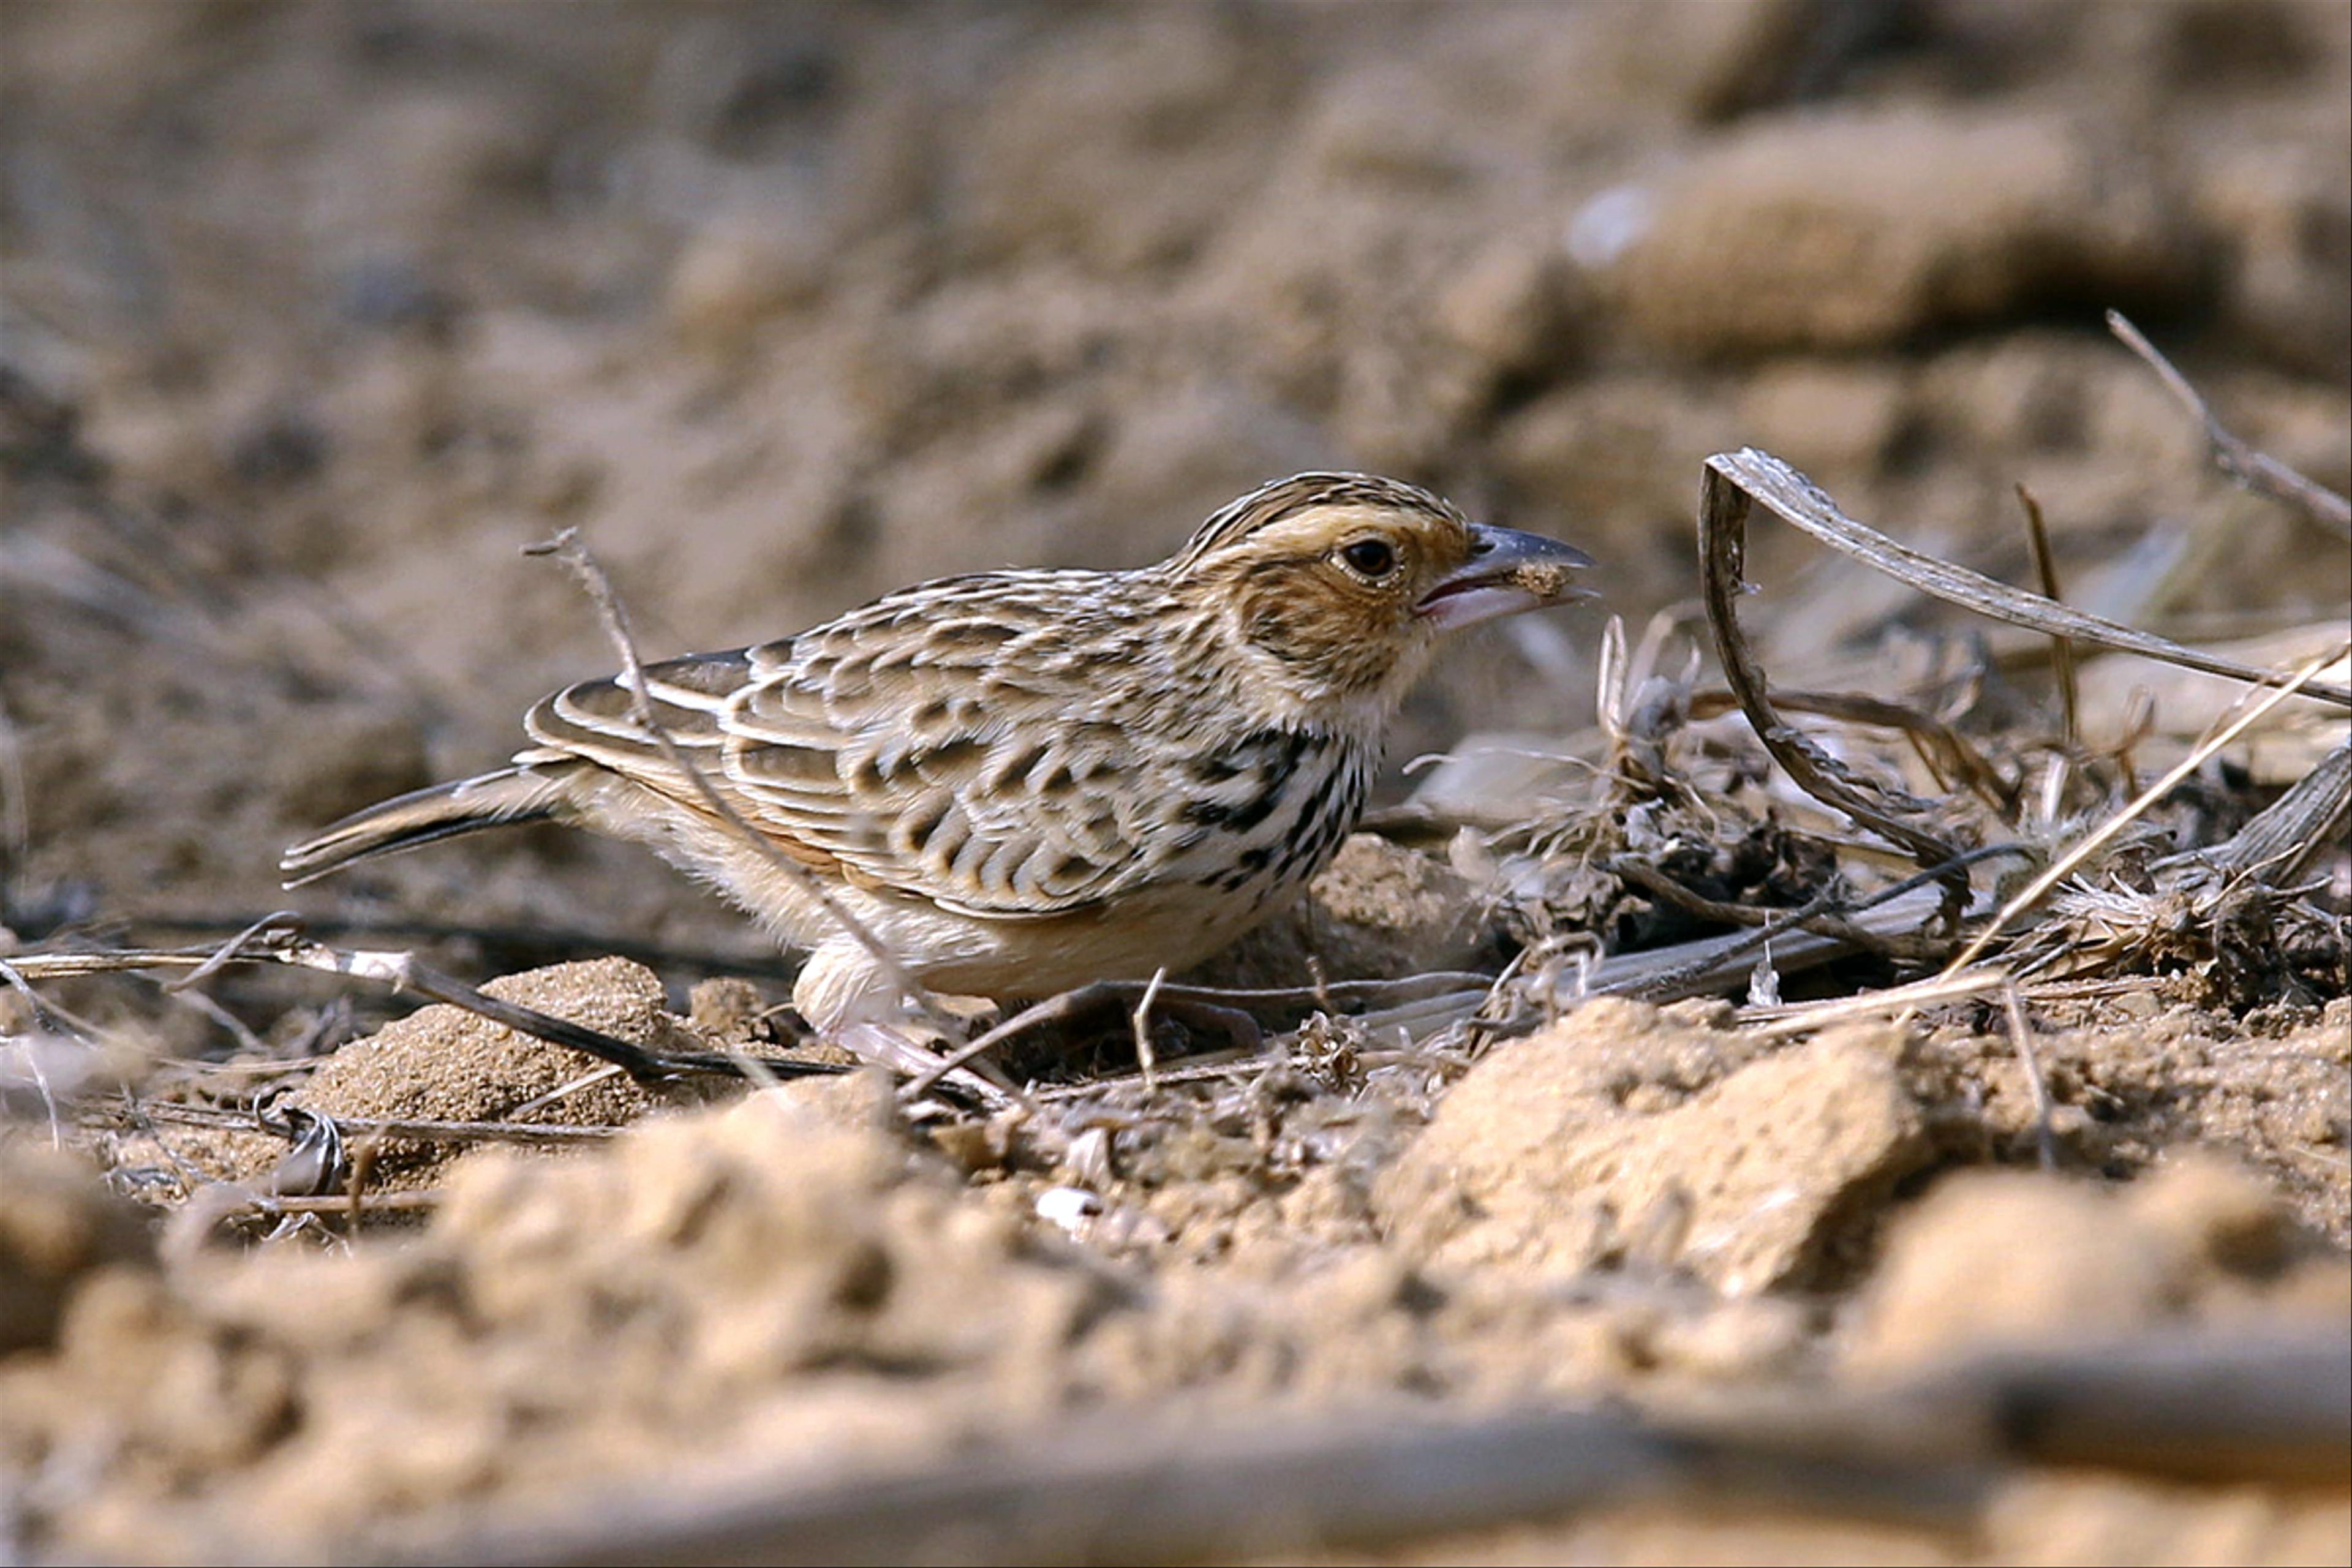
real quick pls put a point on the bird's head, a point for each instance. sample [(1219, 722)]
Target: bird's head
[(1337, 588)]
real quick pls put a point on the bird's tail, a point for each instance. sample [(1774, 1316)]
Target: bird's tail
[(443, 811)]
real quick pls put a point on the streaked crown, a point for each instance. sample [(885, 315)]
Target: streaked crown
[(1314, 580)]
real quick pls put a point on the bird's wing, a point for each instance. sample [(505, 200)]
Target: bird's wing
[(964, 742)]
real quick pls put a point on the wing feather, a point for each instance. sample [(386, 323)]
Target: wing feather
[(960, 742)]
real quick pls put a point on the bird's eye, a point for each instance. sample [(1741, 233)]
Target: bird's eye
[(1371, 557)]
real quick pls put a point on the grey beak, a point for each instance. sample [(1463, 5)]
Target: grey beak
[(1499, 552), (1508, 572)]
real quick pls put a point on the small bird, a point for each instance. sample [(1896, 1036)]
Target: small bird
[(1022, 781)]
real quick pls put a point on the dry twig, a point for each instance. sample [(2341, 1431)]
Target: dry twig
[(2062, 651), (542, 1135), (2257, 471), (282, 942)]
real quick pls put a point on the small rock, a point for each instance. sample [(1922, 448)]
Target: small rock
[(444, 1063), (1378, 911), (725, 1007), (1381, 909), (1750, 1182)]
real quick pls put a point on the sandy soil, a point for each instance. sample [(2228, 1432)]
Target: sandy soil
[(311, 317)]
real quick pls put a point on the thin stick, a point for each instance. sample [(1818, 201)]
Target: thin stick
[(404, 973), (2020, 1034), (532, 1133), (286, 945), (1803, 1017), (560, 941), (2257, 471), (2061, 647), (1067, 1004), (2066, 864), (272, 1206), (566, 547), (1146, 1057), (1779, 920)]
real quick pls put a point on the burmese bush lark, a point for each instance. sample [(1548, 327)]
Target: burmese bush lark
[(1024, 781)]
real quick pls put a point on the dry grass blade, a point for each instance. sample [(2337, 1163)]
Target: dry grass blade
[(2062, 652), (2278, 845), (2020, 1035), (2092, 843), (1749, 473), (1788, 1018), (2257, 471), (1140, 1023), (1724, 506)]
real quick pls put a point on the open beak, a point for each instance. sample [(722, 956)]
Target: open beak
[(1508, 572)]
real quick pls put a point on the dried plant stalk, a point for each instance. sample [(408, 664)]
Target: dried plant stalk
[(1800, 502)]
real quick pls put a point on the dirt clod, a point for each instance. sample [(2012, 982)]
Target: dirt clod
[(57, 1227), (1619, 1135)]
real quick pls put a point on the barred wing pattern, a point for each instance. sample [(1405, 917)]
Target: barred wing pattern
[(975, 742)]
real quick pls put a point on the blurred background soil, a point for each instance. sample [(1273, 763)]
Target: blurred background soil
[(312, 316), (316, 314)]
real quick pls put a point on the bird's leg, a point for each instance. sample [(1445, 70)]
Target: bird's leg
[(851, 1002)]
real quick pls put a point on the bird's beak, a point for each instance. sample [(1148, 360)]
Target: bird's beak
[(1508, 572)]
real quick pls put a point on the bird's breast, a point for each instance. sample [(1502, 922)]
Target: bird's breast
[(1271, 808)]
